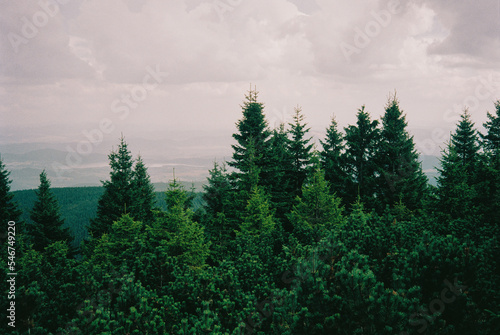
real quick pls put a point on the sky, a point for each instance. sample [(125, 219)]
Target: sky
[(75, 75)]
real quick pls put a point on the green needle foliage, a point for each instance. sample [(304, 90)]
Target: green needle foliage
[(356, 250), (47, 224)]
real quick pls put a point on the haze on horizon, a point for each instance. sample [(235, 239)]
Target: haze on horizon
[(171, 76)]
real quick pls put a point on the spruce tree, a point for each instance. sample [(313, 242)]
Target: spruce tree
[(8, 207), (258, 216), (252, 132), (185, 237), (220, 220), (280, 167), (117, 198), (332, 159), (361, 145), (317, 210), (400, 179), (488, 170), (300, 151), (144, 197), (456, 191), (47, 226), (465, 142), (217, 191), (491, 140)]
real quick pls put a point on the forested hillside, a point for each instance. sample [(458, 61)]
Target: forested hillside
[(346, 237), (79, 205)]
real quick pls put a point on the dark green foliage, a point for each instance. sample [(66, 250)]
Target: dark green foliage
[(46, 225), (233, 266), (317, 211), (300, 152), (143, 192), (491, 139), (252, 140), (9, 210), (332, 159), (400, 176), (117, 194), (361, 145), (456, 193), (280, 165)]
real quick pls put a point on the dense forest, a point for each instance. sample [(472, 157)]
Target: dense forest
[(79, 204), (348, 237)]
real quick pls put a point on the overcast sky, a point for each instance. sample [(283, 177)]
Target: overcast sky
[(153, 69)]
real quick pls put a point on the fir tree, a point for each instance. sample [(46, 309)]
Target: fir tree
[(117, 198), (144, 197), (300, 151), (465, 142), (217, 191), (252, 132), (280, 168), (8, 207), (400, 175), (488, 170), (456, 191), (361, 145), (491, 140), (47, 226), (317, 210), (332, 159), (258, 216), (186, 238)]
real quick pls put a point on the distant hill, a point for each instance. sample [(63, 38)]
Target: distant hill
[(79, 204)]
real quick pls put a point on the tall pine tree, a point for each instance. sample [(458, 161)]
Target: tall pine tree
[(47, 226), (332, 159), (491, 140), (300, 151), (488, 170), (117, 198), (280, 167), (144, 198), (400, 179), (456, 190), (361, 144), (8, 207), (252, 132)]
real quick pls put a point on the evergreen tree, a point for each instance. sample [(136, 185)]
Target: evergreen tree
[(8, 207), (144, 198), (217, 191), (317, 210), (465, 142), (258, 216), (221, 218), (361, 145), (488, 170), (400, 175), (280, 167), (47, 226), (185, 237), (456, 192), (332, 159), (300, 151), (252, 132), (491, 140), (117, 198)]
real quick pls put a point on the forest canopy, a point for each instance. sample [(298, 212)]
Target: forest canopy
[(347, 237)]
